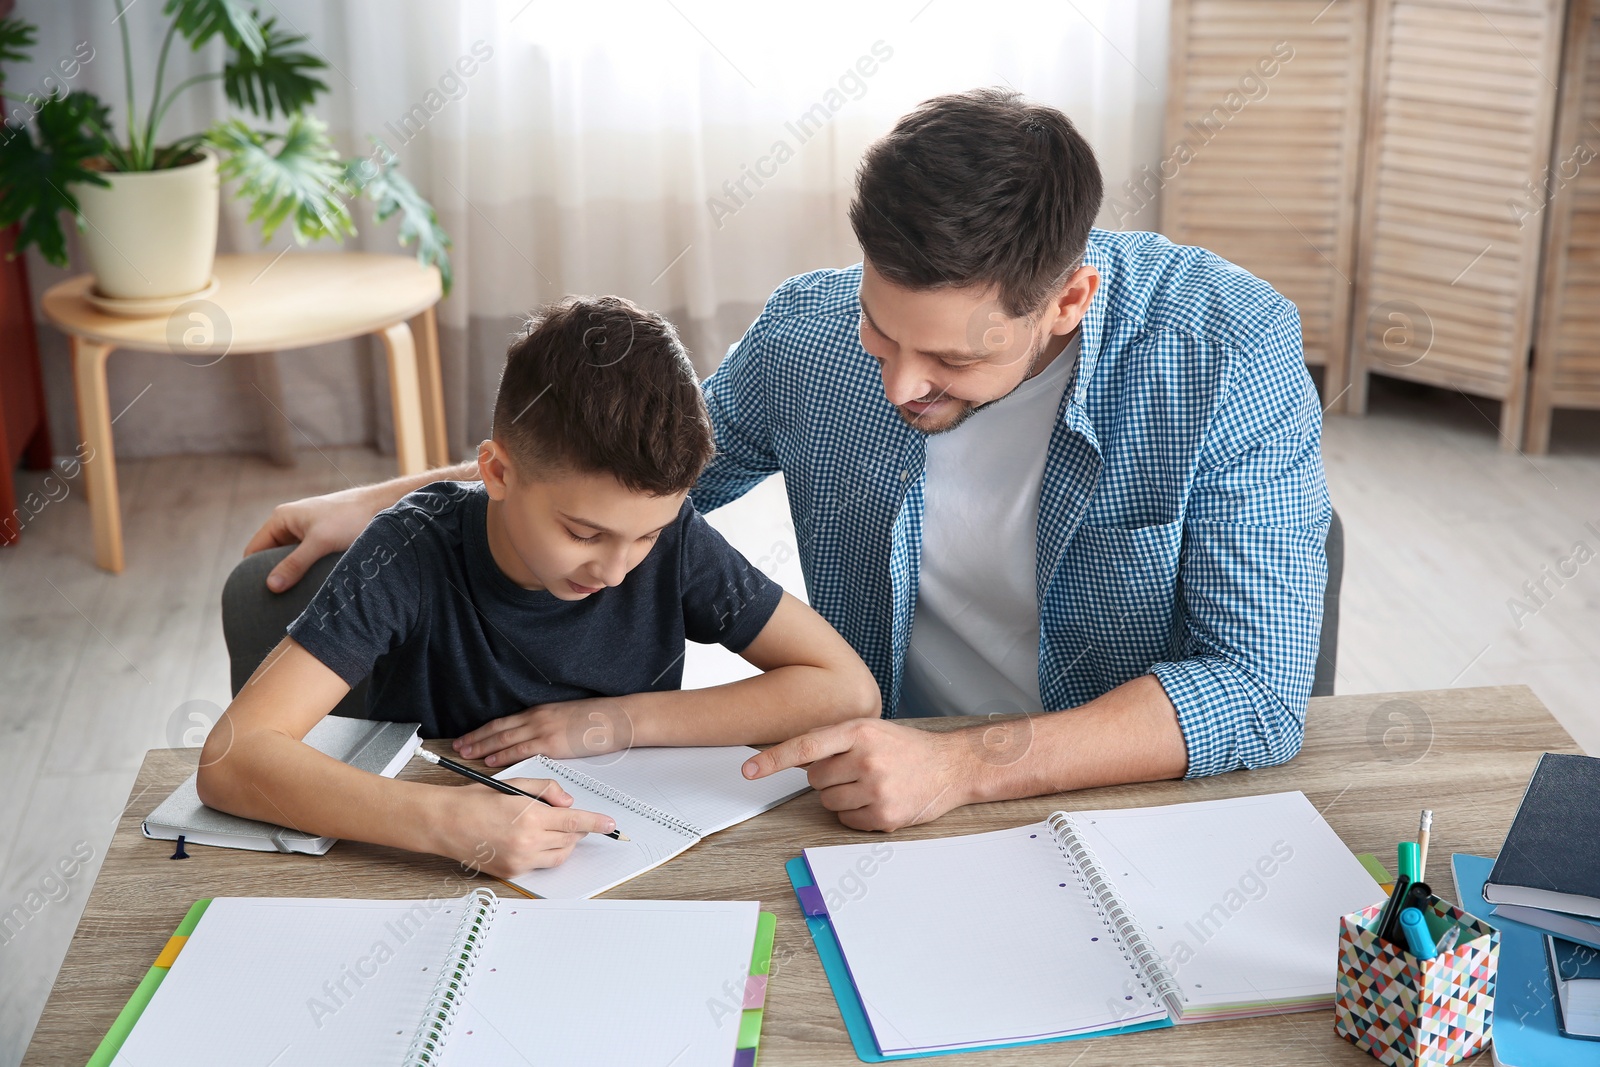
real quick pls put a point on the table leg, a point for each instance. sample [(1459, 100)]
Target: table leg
[(260, 371), (100, 462), (425, 329), (403, 391)]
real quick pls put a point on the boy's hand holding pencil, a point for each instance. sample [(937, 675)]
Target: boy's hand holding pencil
[(506, 834)]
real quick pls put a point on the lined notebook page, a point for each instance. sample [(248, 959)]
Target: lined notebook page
[(969, 941), (1241, 897), (598, 863), (307, 982), (607, 982), (701, 786)]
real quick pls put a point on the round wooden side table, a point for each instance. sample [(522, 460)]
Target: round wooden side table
[(264, 302)]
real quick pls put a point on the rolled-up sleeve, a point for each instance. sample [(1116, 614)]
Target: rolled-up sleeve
[(1254, 565)]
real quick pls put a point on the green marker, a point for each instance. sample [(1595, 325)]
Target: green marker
[(1408, 859)]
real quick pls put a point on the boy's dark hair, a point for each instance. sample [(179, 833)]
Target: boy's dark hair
[(978, 188), (599, 384)]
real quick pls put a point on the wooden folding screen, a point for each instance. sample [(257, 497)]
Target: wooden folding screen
[(1261, 150), (1460, 109), (1566, 361)]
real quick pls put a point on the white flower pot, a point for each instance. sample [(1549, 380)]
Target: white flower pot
[(152, 234)]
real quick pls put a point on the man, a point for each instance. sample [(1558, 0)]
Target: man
[(1033, 467)]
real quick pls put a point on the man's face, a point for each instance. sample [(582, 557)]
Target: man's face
[(945, 353), (572, 533)]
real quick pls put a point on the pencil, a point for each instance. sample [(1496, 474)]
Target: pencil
[(492, 783), (1424, 825)]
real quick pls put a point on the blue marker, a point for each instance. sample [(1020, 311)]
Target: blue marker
[(1417, 935)]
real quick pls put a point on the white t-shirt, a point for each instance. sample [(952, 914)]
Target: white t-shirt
[(975, 636)]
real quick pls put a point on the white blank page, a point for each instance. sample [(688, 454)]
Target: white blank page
[(969, 941), (1241, 897), (598, 863), (607, 982), (701, 786), (296, 981)]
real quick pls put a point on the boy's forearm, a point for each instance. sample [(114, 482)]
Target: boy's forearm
[(773, 706), (272, 777)]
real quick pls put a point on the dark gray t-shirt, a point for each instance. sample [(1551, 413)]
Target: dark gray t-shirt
[(418, 603)]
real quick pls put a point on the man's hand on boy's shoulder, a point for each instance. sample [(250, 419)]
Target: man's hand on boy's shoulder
[(563, 730), (332, 522), (320, 525)]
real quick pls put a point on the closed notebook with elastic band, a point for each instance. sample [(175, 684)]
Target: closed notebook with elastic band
[(380, 747)]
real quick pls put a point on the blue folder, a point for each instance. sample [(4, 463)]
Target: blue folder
[(844, 989), (1525, 1033)]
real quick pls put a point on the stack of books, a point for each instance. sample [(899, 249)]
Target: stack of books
[(1548, 877)]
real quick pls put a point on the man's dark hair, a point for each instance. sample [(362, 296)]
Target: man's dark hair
[(600, 385), (975, 189)]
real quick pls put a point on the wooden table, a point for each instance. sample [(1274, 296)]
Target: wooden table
[(264, 303), (1370, 763)]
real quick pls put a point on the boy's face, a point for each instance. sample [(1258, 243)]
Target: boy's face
[(571, 533)]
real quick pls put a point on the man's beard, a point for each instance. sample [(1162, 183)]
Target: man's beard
[(970, 409)]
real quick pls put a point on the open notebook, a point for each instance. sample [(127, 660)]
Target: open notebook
[(664, 799), (450, 982), (1086, 923)]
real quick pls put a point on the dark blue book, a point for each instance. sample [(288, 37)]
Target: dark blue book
[(1575, 974), (1551, 856)]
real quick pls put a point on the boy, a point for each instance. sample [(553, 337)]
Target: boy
[(500, 612)]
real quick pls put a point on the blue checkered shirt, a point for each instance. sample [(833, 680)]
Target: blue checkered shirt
[(1182, 517)]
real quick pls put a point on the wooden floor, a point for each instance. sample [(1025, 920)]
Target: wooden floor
[(1443, 531)]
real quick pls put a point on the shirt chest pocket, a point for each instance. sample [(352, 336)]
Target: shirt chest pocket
[(1121, 587)]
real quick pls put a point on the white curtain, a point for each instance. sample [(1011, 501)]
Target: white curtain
[(686, 154)]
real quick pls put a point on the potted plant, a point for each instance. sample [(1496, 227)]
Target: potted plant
[(146, 209)]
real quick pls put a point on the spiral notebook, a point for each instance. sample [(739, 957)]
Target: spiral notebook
[(451, 982), (1088, 923), (664, 799)]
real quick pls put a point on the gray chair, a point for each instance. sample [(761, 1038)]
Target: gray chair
[(1328, 643), (254, 618)]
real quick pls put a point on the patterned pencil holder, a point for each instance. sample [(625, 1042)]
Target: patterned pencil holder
[(1408, 1012)]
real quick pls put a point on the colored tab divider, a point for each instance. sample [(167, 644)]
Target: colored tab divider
[(1379, 872), (755, 992), (812, 903), (111, 1044)]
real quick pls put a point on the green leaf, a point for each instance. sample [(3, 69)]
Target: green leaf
[(36, 177), (391, 192), (16, 40), (176, 153), (120, 157), (292, 177), (275, 78), (201, 20)]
